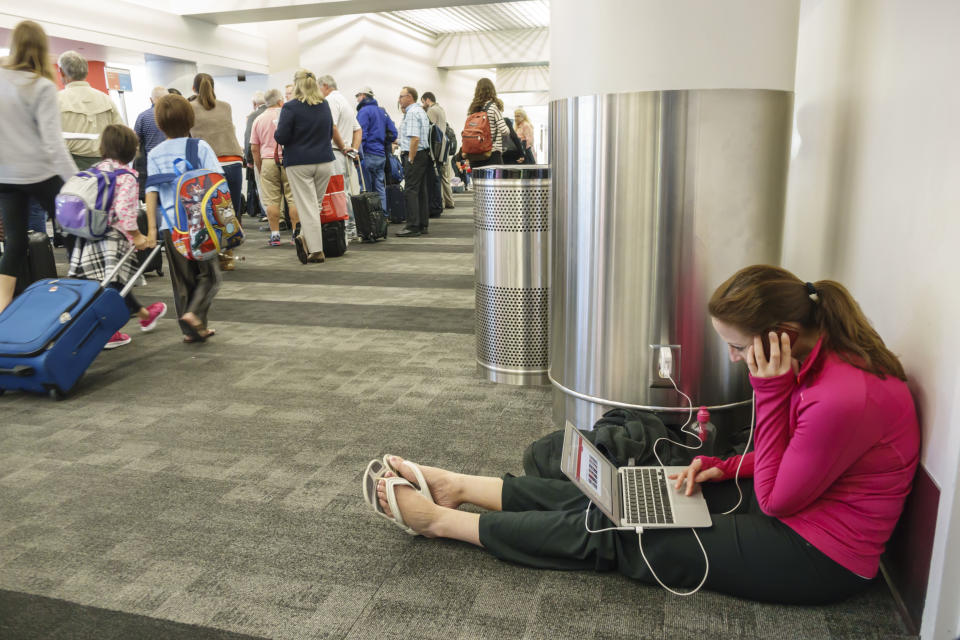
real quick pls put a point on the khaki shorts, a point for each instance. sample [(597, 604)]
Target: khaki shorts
[(273, 178)]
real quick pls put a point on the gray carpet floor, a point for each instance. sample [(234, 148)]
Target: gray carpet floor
[(213, 491)]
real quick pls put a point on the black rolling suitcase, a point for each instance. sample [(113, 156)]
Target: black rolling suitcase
[(368, 212), (396, 206), (40, 261), (334, 239)]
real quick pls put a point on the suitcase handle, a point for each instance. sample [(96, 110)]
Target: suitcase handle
[(20, 371), (143, 267), (356, 163)]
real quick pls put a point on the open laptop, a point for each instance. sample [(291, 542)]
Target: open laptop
[(630, 496)]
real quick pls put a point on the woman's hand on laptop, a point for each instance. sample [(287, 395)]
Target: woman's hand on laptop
[(693, 476)]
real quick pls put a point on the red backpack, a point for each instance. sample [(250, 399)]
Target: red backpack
[(476, 139)]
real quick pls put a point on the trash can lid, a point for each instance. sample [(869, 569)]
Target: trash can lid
[(512, 172)]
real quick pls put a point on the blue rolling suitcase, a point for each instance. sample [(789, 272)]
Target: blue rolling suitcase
[(53, 331)]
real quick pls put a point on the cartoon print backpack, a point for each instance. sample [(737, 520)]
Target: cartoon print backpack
[(204, 222), (84, 202), (476, 138)]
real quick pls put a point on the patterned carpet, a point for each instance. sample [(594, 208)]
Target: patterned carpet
[(213, 491)]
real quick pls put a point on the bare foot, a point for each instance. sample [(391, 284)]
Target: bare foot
[(444, 485), (191, 319), (418, 513)]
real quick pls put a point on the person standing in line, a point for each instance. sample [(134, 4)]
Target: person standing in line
[(485, 99), (288, 92), (149, 136), (84, 111), (34, 161), (254, 203), (415, 154), (524, 129), (273, 177), (438, 117), (195, 282), (345, 120), (374, 124), (307, 132), (213, 123)]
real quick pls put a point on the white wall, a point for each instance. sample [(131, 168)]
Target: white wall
[(873, 201), (371, 50), (650, 45)]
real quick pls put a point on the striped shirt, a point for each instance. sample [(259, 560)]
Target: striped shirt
[(415, 124), (498, 126)]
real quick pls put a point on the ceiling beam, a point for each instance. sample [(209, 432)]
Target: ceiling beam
[(268, 10)]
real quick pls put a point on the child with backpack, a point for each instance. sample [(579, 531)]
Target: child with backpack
[(93, 259), (195, 282)]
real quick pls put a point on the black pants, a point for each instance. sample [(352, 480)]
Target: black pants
[(133, 305), (15, 211), (751, 554), (495, 158), (416, 190), (195, 284), (434, 191)]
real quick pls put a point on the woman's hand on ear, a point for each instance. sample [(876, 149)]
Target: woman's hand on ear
[(780, 361)]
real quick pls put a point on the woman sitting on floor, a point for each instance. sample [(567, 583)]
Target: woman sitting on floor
[(837, 444)]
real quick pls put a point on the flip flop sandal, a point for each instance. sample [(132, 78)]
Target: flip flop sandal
[(420, 485), (375, 470), (390, 487)]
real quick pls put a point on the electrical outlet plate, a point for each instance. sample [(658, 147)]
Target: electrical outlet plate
[(656, 380)]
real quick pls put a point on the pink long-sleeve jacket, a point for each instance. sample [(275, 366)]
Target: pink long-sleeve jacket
[(836, 450)]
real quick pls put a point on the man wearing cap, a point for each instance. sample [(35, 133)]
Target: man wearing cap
[(374, 123)]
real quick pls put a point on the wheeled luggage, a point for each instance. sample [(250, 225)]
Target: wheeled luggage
[(53, 331), (333, 218), (396, 206), (368, 212), (40, 262)]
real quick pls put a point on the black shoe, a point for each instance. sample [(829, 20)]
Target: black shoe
[(450, 206), (408, 233), (424, 232), (301, 249)]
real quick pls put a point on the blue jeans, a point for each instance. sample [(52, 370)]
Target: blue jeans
[(373, 176)]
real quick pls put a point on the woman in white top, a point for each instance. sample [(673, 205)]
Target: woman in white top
[(34, 161)]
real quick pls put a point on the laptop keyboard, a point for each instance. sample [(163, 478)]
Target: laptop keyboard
[(645, 494)]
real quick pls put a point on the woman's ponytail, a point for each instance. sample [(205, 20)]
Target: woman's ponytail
[(757, 298), (848, 332), (203, 85)]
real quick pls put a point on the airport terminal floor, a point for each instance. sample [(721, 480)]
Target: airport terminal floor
[(213, 491)]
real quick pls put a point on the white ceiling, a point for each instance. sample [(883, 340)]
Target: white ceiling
[(526, 14)]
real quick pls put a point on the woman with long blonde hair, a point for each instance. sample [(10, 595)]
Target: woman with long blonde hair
[(521, 122), (306, 131), (34, 161)]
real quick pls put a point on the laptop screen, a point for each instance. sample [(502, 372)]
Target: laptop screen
[(590, 471)]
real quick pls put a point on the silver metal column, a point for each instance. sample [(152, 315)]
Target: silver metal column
[(511, 213), (658, 197)]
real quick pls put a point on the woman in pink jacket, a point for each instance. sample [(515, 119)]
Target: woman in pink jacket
[(837, 444)]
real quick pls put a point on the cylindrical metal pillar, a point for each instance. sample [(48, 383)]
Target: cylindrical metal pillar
[(669, 174), (511, 215)]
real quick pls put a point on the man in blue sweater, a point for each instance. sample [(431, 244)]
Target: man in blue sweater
[(377, 127)]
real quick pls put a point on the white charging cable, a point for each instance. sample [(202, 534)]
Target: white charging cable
[(665, 366), (736, 476)]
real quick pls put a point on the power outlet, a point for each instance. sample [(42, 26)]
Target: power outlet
[(664, 364)]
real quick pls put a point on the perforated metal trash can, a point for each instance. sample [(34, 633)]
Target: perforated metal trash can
[(511, 213)]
